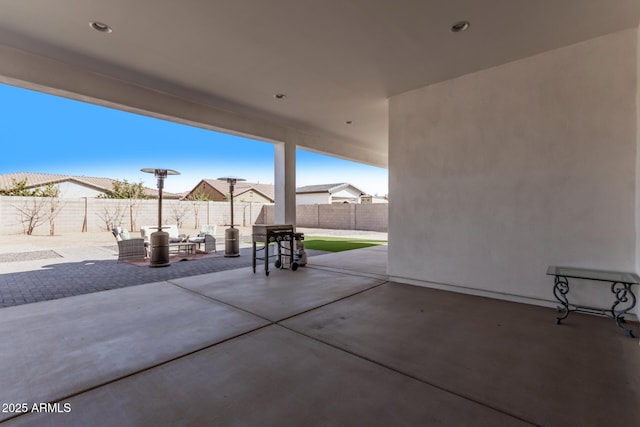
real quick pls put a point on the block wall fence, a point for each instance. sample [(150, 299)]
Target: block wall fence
[(372, 217), (89, 214)]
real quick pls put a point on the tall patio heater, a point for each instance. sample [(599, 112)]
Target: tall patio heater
[(159, 240), (231, 234)]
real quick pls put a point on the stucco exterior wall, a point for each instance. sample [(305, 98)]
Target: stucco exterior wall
[(346, 195), (71, 190), (498, 174), (638, 154), (313, 198), (213, 194), (251, 197)]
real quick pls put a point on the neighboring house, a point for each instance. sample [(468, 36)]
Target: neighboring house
[(369, 199), (328, 194), (218, 190), (71, 186)]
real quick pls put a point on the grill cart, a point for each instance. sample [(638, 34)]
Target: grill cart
[(299, 255), (283, 239)]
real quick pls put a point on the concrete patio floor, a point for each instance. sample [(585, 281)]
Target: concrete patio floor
[(331, 344)]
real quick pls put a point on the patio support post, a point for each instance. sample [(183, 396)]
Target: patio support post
[(285, 183)]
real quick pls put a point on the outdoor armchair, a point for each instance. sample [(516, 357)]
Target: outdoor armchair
[(129, 249), (208, 240)]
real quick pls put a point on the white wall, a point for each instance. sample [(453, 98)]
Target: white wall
[(73, 190), (313, 199), (373, 200), (638, 158), (346, 194), (498, 174)]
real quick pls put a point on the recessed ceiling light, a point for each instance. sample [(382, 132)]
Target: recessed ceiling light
[(99, 26), (460, 26), (279, 96)]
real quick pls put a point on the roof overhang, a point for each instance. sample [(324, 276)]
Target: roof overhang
[(217, 65)]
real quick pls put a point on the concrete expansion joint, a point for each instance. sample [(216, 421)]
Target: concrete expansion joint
[(208, 298), (200, 349), (347, 272), (274, 322), (148, 368), (407, 374), (370, 288)]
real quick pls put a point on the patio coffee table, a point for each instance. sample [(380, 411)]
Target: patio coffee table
[(186, 247)]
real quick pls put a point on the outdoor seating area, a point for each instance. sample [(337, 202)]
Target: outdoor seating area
[(334, 343), (205, 242)]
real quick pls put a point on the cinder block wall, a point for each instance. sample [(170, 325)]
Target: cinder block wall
[(74, 213), (91, 215), (308, 216), (337, 217), (374, 217)]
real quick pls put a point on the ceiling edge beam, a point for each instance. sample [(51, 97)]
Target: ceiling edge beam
[(36, 72)]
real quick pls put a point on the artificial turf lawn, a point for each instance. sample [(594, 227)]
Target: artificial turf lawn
[(338, 244)]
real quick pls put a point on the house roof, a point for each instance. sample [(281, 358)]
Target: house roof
[(258, 190), (327, 188), (35, 180), (6, 180), (222, 186)]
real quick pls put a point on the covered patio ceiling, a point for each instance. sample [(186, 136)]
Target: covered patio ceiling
[(337, 61)]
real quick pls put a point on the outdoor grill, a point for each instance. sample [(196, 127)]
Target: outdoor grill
[(282, 236)]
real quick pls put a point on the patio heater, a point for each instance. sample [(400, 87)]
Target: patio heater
[(159, 240), (231, 234)]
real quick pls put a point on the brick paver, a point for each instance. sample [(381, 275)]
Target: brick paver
[(59, 280)]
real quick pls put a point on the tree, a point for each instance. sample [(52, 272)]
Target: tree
[(52, 193), (134, 192), (111, 218), (32, 212), (196, 197), (18, 188), (178, 212)]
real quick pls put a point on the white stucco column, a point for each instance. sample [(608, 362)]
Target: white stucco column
[(285, 183), (637, 180)]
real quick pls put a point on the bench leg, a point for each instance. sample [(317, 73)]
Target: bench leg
[(560, 290), (624, 295)]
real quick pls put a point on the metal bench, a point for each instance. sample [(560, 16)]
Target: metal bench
[(621, 283)]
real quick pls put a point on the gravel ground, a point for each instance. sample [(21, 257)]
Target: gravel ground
[(28, 256)]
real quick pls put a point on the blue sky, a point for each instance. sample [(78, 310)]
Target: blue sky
[(49, 134)]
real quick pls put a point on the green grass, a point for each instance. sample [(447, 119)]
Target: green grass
[(338, 244)]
